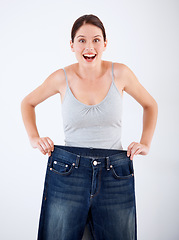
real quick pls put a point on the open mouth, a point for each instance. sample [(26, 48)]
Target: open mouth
[(89, 57)]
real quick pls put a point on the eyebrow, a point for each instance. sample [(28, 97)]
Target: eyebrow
[(84, 36)]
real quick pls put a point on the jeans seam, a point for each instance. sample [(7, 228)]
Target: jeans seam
[(92, 231), (47, 179), (99, 187)]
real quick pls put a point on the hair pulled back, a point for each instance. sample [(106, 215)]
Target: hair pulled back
[(87, 19)]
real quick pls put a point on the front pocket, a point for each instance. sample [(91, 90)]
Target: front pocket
[(122, 171), (61, 166)]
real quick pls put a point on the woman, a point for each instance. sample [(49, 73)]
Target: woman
[(90, 180)]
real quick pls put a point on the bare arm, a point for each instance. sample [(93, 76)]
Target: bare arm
[(150, 112), (49, 87)]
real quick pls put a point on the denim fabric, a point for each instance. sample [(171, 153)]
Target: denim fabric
[(90, 187)]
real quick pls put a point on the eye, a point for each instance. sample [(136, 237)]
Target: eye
[(81, 40), (97, 40)]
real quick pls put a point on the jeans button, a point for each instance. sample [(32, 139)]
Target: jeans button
[(95, 163)]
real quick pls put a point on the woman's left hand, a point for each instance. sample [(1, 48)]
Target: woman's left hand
[(137, 148)]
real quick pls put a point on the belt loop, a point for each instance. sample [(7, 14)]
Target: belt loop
[(107, 163), (77, 161)]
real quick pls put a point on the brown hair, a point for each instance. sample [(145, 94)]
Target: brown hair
[(90, 19)]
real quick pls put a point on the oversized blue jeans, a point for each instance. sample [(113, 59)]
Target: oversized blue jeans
[(91, 187)]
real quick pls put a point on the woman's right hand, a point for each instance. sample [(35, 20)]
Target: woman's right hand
[(44, 144)]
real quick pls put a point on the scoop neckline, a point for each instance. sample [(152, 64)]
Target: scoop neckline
[(93, 105)]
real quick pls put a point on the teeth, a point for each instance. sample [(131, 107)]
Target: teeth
[(86, 55)]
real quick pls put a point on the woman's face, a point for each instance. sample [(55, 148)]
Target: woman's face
[(88, 41)]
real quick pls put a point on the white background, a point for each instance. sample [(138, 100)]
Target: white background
[(34, 42)]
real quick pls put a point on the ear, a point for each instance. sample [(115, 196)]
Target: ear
[(71, 45), (105, 44)]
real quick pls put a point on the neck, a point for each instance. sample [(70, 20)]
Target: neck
[(90, 73)]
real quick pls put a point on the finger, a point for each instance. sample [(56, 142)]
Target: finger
[(134, 151), (41, 148), (43, 145), (48, 147), (51, 143), (130, 148)]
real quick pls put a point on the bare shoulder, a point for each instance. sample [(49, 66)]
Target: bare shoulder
[(119, 69), (56, 80), (52, 85), (132, 85), (124, 75)]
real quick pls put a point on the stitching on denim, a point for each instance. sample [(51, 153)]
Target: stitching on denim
[(61, 158), (121, 177), (77, 161), (107, 163), (99, 187), (65, 173)]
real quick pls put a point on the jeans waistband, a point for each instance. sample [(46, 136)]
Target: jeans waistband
[(87, 156)]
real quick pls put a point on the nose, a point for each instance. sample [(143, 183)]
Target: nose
[(91, 49)]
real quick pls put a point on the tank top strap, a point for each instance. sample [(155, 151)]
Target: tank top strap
[(65, 76), (112, 72)]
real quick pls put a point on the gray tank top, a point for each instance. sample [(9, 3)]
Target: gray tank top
[(97, 126)]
